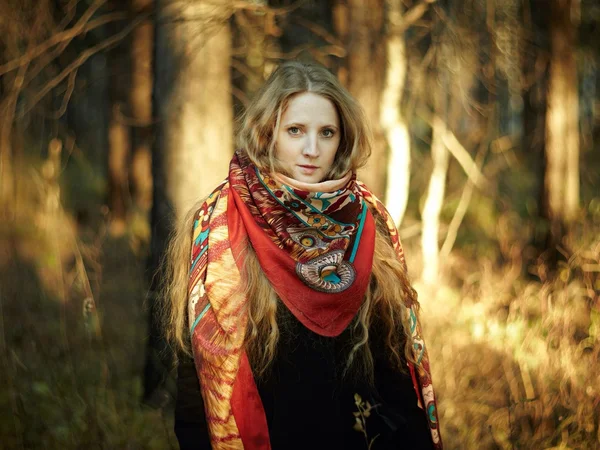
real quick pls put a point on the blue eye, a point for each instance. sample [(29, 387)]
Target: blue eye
[(294, 130), (328, 133)]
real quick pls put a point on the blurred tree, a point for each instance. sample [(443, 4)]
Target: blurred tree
[(434, 199), (119, 131), (438, 96), (561, 178), (22, 26), (193, 146), (140, 100), (61, 67), (88, 114), (129, 156), (119, 144), (456, 39), (393, 121), (9, 90), (307, 31), (360, 26), (534, 90), (253, 33)]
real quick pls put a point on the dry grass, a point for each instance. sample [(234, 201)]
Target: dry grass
[(517, 362)]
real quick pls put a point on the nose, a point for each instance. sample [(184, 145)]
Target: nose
[(311, 149)]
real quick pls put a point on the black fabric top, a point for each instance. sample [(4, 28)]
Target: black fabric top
[(310, 404)]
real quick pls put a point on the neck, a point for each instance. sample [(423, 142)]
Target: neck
[(323, 186)]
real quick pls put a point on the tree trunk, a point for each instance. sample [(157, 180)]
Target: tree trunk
[(118, 162), (392, 120), (7, 114), (140, 100), (192, 102), (252, 31), (360, 25), (561, 180), (535, 102), (119, 134), (11, 85), (193, 143), (434, 202)]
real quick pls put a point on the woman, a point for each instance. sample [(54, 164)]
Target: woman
[(292, 294)]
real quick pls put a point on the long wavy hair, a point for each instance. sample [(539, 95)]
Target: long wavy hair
[(389, 292)]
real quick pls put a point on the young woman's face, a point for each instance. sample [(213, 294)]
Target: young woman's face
[(308, 137)]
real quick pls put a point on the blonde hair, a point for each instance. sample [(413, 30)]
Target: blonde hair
[(389, 291), (260, 122), (174, 284)]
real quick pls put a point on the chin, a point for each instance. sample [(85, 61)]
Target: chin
[(315, 178), (305, 179)]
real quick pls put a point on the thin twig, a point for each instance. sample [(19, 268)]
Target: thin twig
[(461, 209), (78, 28), (68, 93), (80, 61), (458, 151), (240, 95), (7, 115), (318, 30), (59, 49), (242, 68), (413, 15)]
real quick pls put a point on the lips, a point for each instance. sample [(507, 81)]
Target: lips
[(308, 167)]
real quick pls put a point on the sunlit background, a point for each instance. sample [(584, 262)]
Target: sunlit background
[(116, 115)]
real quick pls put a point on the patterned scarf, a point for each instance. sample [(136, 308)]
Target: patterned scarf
[(315, 245)]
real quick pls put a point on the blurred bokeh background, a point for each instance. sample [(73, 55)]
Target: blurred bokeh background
[(116, 115)]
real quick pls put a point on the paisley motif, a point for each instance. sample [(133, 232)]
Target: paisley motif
[(308, 238), (327, 273)]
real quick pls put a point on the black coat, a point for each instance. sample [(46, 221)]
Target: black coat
[(310, 404)]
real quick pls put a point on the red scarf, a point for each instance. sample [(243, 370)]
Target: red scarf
[(316, 248)]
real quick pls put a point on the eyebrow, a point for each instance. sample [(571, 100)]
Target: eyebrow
[(303, 125)]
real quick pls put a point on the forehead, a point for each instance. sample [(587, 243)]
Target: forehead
[(309, 107)]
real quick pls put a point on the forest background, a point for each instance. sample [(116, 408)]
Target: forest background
[(117, 115)]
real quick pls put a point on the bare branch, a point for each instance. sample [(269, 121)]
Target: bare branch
[(242, 68), (413, 15), (458, 151), (83, 57), (461, 210), (84, 25), (319, 31), (70, 13), (68, 93), (240, 95), (464, 159)]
